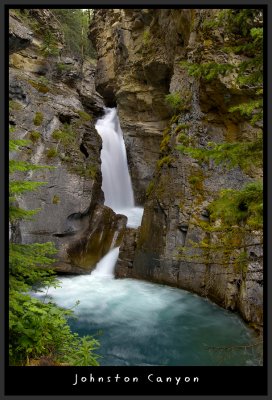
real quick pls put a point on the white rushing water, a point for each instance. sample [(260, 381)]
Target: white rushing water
[(116, 181), (105, 267), (140, 323)]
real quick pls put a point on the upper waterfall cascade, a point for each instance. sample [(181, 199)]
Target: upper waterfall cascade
[(116, 181)]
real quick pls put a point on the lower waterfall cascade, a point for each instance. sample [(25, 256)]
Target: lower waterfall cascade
[(142, 323)]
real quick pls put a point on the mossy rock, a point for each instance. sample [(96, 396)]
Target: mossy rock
[(84, 116), (34, 136), (38, 119), (41, 87), (14, 105)]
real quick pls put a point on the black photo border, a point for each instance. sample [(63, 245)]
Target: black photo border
[(57, 382)]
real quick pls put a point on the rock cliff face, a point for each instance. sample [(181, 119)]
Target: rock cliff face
[(53, 104), (135, 64), (139, 55)]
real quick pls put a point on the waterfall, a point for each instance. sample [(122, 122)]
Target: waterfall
[(116, 181), (105, 267)]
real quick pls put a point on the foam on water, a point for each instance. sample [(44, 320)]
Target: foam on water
[(149, 324)]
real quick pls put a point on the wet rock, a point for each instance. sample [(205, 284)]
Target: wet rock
[(104, 231), (124, 264)]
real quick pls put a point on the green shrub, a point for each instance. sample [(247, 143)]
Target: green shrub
[(235, 206), (177, 104), (174, 100), (65, 135), (34, 136), (50, 45), (91, 171), (196, 181), (38, 119), (61, 67), (51, 152)]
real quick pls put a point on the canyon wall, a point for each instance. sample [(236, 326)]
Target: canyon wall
[(54, 105), (139, 55)]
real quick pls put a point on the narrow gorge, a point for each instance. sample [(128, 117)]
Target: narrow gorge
[(136, 136)]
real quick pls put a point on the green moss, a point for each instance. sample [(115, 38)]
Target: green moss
[(38, 119), (41, 87), (34, 136), (51, 152), (84, 116), (56, 199), (150, 188), (14, 105), (181, 127), (164, 146), (167, 160), (174, 119), (146, 37)]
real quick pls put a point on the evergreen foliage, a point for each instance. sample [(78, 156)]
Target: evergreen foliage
[(207, 71), (233, 213), (75, 26), (236, 206), (37, 328), (246, 155)]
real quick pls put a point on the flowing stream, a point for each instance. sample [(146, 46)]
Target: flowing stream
[(141, 323)]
